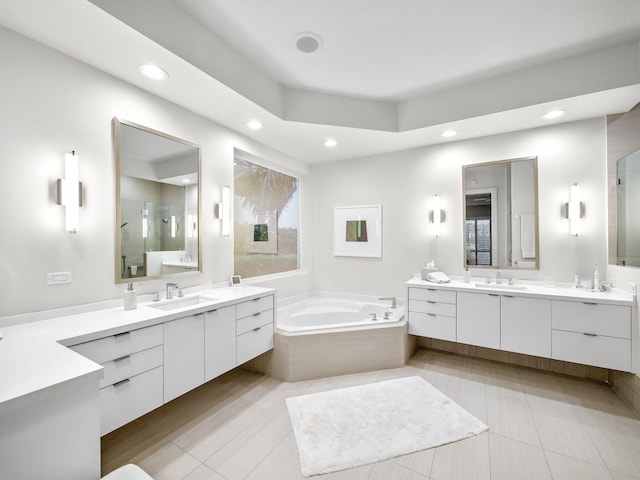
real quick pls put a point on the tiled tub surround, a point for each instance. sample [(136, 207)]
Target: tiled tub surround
[(125, 364), (326, 349), (564, 330)]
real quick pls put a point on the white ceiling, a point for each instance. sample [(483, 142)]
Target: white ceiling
[(395, 50), (390, 75)]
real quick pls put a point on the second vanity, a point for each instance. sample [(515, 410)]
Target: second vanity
[(68, 380), (572, 325)]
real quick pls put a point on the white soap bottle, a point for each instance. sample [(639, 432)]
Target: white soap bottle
[(130, 300), (596, 279)]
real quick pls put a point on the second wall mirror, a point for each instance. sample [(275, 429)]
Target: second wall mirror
[(157, 203), (500, 212)]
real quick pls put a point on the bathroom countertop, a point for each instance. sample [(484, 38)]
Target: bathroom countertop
[(613, 296), (33, 356)]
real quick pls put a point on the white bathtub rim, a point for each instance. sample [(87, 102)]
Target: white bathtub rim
[(282, 302), (350, 326)]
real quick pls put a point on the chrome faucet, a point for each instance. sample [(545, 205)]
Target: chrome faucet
[(394, 301), (169, 287), (498, 279)]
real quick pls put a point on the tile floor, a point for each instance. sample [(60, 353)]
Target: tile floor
[(542, 426)]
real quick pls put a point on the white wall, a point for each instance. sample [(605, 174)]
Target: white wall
[(405, 182), (52, 104)]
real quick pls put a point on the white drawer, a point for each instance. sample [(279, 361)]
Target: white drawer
[(130, 399), (256, 305), (584, 317), (432, 326), (256, 320), (596, 350), (432, 294), (116, 346), (431, 306), (131, 365), (254, 342)]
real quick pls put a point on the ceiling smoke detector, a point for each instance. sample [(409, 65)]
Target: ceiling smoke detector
[(308, 42)]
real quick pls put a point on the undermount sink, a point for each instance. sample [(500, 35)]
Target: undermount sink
[(182, 302), (500, 286)]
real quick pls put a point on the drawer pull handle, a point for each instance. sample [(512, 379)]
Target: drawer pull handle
[(121, 382), (119, 359), (590, 303), (431, 289), (508, 296), (256, 329), (589, 334), (121, 334), (257, 314), (432, 314), (430, 301), (493, 294)]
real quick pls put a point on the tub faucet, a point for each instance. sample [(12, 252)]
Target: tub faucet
[(394, 301), (169, 287)]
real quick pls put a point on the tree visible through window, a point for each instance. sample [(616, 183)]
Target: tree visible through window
[(266, 220)]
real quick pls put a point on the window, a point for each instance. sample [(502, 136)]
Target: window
[(266, 220), (478, 241)]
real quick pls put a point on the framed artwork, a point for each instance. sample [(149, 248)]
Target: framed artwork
[(357, 231), (264, 234)]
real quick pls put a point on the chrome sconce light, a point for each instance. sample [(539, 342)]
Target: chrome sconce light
[(224, 210), (574, 210), (436, 216), (70, 192)]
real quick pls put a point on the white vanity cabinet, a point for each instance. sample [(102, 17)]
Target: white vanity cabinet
[(432, 313), (132, 384), (254, 328), (590, 328), (219, 341), (525, 325), (592, 334), (183, 355), (479, 319)]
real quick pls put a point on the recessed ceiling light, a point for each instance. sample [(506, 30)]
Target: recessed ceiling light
[(153, 71), (254, 125), (308, 42), (449, 133), (554, 114), (330, 142)]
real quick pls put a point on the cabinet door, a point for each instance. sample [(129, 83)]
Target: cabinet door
[(183, 355), (219, 341), (525, 325), (478, 319)]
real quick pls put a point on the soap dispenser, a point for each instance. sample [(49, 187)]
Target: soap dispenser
[(596, 280), (130, 301)]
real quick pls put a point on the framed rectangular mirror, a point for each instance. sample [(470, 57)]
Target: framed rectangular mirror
[(500, 214), (157, 203)]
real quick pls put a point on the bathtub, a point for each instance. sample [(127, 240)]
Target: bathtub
[(334, 334), (328, 311)]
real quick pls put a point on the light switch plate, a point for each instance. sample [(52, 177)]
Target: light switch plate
[(58, 278)]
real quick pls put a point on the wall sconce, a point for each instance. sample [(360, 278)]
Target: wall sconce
[(574, 210), (70, 192), (436, 216), (192, 226), (224, 210), (145, 222), (174, 226)]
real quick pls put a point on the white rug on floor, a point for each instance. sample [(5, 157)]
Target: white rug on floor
[(354, 426)]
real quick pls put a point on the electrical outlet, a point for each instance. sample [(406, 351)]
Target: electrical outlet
[(58, 278), (633, 288)]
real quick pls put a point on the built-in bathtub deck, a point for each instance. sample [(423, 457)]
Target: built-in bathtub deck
[(325, 353)]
